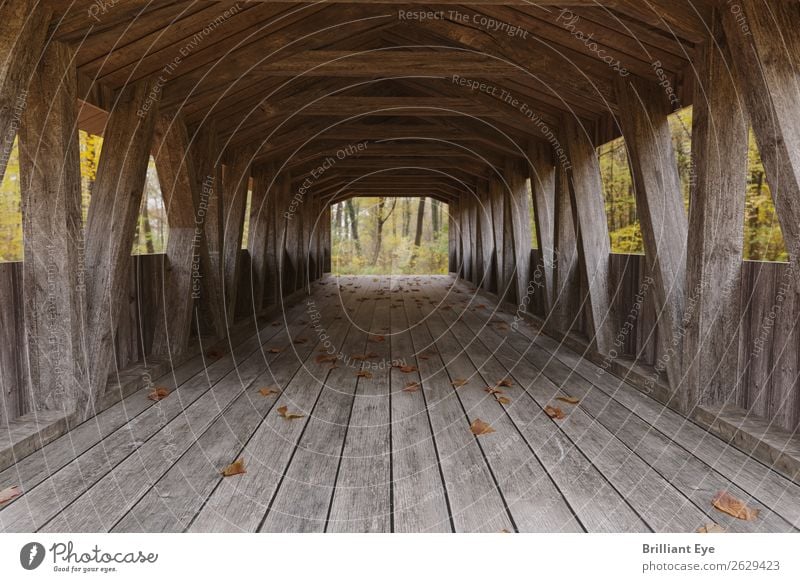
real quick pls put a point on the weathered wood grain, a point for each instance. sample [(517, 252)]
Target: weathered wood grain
[(53, 271)]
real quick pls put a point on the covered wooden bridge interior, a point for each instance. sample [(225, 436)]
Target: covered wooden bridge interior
[(559, 389)]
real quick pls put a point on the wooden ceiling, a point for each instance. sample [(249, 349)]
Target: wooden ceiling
[(440, 94)]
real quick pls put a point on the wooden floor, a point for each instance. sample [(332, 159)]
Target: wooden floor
[(371, 455)]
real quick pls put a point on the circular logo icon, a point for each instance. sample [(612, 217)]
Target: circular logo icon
[(31, 555)]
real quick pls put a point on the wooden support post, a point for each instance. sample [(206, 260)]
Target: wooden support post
[(487, 236), (474, 237), (235, 181), (765, 45), (519, 213), (497, 195), (113, 212), (261, 229), (186, 245), (53, 269), (716, 216), (543, 185), (209, 183), (283, 236), (659, 204), (466, 236), (305, 277), (452, 238), (23, 31), (326, 240), (566, 282), (595, 248)]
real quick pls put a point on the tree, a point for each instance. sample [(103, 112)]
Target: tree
[(380, 220), (351, 211), (420, 221)]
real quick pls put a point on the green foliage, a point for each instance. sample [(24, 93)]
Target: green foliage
[(397, 253)]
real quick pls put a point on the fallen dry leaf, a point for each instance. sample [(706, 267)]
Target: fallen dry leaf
[(568, 399), (377, 339), (321, 359), (301, 340), (235, 468), (284, 412), (411, 387), (503, 399), (408, 369), (553, 412), (710, 528), (459, 382), (364, 374), (158, 393), (275, 350), (479, 427), (492, 390), (9, 493), (505, 382), (729, 504), (269, 391), (276, 323), (213, 353)]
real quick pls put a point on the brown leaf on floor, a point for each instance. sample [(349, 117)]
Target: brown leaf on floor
[(9, 493), (729, 504), (269, 391), (411, 387), (371, 355), (459, 382), (276, 323), (479, 427), (568, 399), (274, 350), (213, 353), (364, 374), (554, 412), (358, 357), (323, 358), (301, 340), (377, 339), (408, 369), (503, 399), (284, 412), (492, 390), (158, 393), (480, 306), (235, 468), (710, 528), (505, 382), (504, 530), (423, 357)]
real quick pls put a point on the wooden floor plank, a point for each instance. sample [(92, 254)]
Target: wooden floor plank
[(372, 457), (419, 498), (696, 479), (537, 502), (655, 500), (239, 504), (175, 499), (362, 495), (45, 500), (102, 505), (476, 504), (303, 499)]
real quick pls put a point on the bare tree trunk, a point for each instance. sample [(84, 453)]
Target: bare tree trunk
[(420, 220), (406, 217), (378, 232), (351, 211), (435, 218)]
